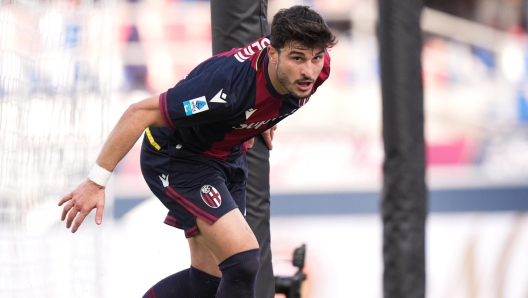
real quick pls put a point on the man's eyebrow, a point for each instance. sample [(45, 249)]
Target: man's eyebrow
[(296, 53), (302, 54)]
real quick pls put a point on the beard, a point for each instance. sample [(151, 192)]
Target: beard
[(288, 85)]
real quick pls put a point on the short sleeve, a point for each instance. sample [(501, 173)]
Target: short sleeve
[(202, 99)]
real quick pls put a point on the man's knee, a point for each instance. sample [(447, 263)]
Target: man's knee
[(244, 263), (239, 274), (187, 283), (229, 235)]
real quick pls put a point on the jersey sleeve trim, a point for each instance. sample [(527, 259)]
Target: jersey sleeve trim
[(165, 111), (258, 60)]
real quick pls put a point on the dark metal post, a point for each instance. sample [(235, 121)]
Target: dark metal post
[(404, 204)]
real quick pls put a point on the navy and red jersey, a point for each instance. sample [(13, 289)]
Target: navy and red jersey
[(223, 102)]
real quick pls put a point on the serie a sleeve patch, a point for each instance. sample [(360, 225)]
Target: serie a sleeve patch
[(195, 106)]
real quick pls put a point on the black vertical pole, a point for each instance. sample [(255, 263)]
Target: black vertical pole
[(404, 203), (236, 23)]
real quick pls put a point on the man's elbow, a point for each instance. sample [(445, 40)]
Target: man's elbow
[(144, 115)]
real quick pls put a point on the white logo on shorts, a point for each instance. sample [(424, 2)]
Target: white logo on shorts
[(164, 179)]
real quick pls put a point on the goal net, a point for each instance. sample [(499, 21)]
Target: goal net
[(55, 97)]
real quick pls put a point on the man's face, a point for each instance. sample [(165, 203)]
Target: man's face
[(298, 67)]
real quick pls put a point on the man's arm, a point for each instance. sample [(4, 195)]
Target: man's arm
[(127, 131), (89, 195)]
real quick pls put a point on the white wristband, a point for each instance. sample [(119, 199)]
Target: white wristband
[(99, 175)]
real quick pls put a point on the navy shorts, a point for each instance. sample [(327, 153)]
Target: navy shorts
[(194, 186)]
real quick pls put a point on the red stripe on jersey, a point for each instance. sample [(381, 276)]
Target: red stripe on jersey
[(266, 107), (325, 72), (228, 53), (151, 293), (164, 110)]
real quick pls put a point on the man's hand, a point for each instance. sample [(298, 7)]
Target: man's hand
[(81, 202), (267, 136)]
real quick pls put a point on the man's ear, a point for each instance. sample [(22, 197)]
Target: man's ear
[(273, 54)]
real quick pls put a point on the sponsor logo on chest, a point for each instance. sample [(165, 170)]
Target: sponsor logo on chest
[(256, 125)]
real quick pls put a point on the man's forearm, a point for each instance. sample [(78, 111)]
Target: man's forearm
[(127, 131)]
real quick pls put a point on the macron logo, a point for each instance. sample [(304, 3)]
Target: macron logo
[(219, 97), (164, 179), (249, 113)]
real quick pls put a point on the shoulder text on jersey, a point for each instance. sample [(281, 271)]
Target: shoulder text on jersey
[(244, 53)]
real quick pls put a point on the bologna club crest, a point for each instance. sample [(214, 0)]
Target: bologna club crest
[(211, 196)]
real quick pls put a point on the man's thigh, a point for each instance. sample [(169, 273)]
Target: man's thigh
[(228, 236)]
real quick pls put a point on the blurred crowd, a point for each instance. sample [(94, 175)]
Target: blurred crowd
[(475, 72)]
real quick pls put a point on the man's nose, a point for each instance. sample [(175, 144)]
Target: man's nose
[(307, 69)]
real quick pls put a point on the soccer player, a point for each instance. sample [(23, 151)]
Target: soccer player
[(193, 154)]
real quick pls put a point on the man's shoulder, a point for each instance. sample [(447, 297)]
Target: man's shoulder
[(248, 53), (253, 50), (231, 70)]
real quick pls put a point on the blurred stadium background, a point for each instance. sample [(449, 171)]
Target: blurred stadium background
[(68, 69)]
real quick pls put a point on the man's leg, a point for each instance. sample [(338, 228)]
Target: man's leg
[(258, 213), (235, 248), (226, 249), (200, 280)]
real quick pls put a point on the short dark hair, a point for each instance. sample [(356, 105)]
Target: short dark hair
[(300, 24)]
